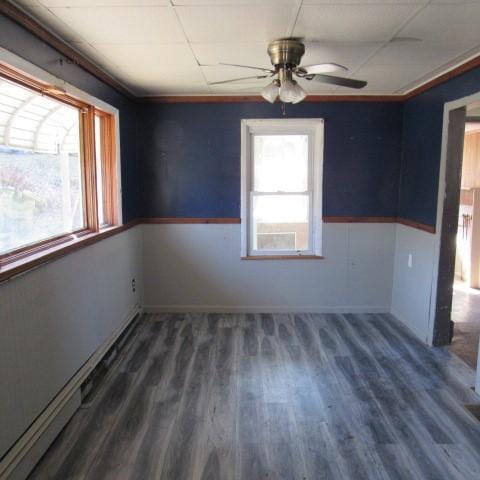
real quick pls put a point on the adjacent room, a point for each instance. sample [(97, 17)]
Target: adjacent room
[(239, 239)]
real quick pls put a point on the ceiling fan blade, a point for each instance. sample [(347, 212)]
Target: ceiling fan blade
[(257, 77), (322, 68), (248, 66), (342, 82)]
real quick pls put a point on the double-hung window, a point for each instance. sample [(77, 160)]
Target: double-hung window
[(281, 188), (58, 173)]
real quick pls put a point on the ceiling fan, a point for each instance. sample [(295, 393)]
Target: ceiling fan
[(285, 55)]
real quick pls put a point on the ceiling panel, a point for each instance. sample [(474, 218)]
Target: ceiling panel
[(347, 54), (351, 23), (429, 54), (446, 23), (174, 56), (360, 2), (452, 2), (54, 23), (216, 24), (243, 53), (95, 55), (220, 73), (243, 88), (28, 3), (154, 46), (314, 87), (233, 2), (123, 25), (102, 3), (160, 86), (386, 78)]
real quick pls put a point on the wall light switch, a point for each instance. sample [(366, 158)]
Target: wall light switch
[(410, 260)]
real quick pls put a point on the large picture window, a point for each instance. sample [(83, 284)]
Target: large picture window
[(281, 187), (57, 166)]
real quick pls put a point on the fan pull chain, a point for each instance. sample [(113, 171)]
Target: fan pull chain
[(284, 109)]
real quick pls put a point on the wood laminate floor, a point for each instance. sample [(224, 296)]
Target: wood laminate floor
[(294, 397)]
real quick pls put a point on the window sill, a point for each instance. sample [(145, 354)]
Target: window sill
[(283, 257), (53, 252)]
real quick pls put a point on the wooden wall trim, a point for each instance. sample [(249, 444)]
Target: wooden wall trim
[(417, 225), (359, 219), (185, 220), (45, 256), (20, 17), (455, 72), (260, 99), (327, 219), (57, 251)]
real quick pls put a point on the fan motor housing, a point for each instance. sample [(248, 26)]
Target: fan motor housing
[(286, 52)]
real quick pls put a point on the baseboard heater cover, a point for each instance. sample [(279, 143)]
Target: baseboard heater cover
[(25, 453)]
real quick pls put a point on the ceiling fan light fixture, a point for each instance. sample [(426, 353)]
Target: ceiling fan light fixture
[(291, 91), (270, 92), (300, 94)]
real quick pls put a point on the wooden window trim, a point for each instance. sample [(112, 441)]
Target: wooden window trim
[(21, 256), (52, 251), (283, 257), (37, 247), (109, 167), (44, 88)]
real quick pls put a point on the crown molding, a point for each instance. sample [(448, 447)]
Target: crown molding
[(19, 16), (444, 77), (260, 99), (33, 26)]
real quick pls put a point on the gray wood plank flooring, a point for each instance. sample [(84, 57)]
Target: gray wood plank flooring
[(273, 396)]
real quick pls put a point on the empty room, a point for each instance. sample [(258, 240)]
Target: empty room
[(239, 239)]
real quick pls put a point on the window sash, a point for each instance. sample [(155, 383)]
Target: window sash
[(87, 165), (313, 128), (251, 227)]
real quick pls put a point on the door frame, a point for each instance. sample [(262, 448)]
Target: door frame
[(437, 327)]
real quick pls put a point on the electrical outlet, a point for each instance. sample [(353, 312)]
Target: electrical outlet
[(410, 260), (134, 285)]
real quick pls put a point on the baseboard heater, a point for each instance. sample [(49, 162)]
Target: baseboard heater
[(25, 453)]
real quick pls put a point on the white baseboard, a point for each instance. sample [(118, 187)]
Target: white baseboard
[(254, 309), (421, 335), (30, 447)]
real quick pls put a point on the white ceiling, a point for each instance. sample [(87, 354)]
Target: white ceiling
[(159, 47)]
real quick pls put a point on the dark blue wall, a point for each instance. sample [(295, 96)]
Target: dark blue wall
[(191, 156), (422, 140), (15, 38)]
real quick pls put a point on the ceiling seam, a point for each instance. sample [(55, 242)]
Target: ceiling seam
[(293, 24), (174, 7)]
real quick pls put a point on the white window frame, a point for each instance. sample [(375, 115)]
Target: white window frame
[(314, 128)]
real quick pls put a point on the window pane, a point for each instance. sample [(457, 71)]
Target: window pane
[(280, 163), (280, 222), (98, 160), (41, 192)]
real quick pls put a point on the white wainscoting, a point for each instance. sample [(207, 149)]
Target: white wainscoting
[(412, 286), (198, 268), (54, 318)]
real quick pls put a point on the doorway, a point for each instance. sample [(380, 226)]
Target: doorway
[(466, 287), (457, 308)]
